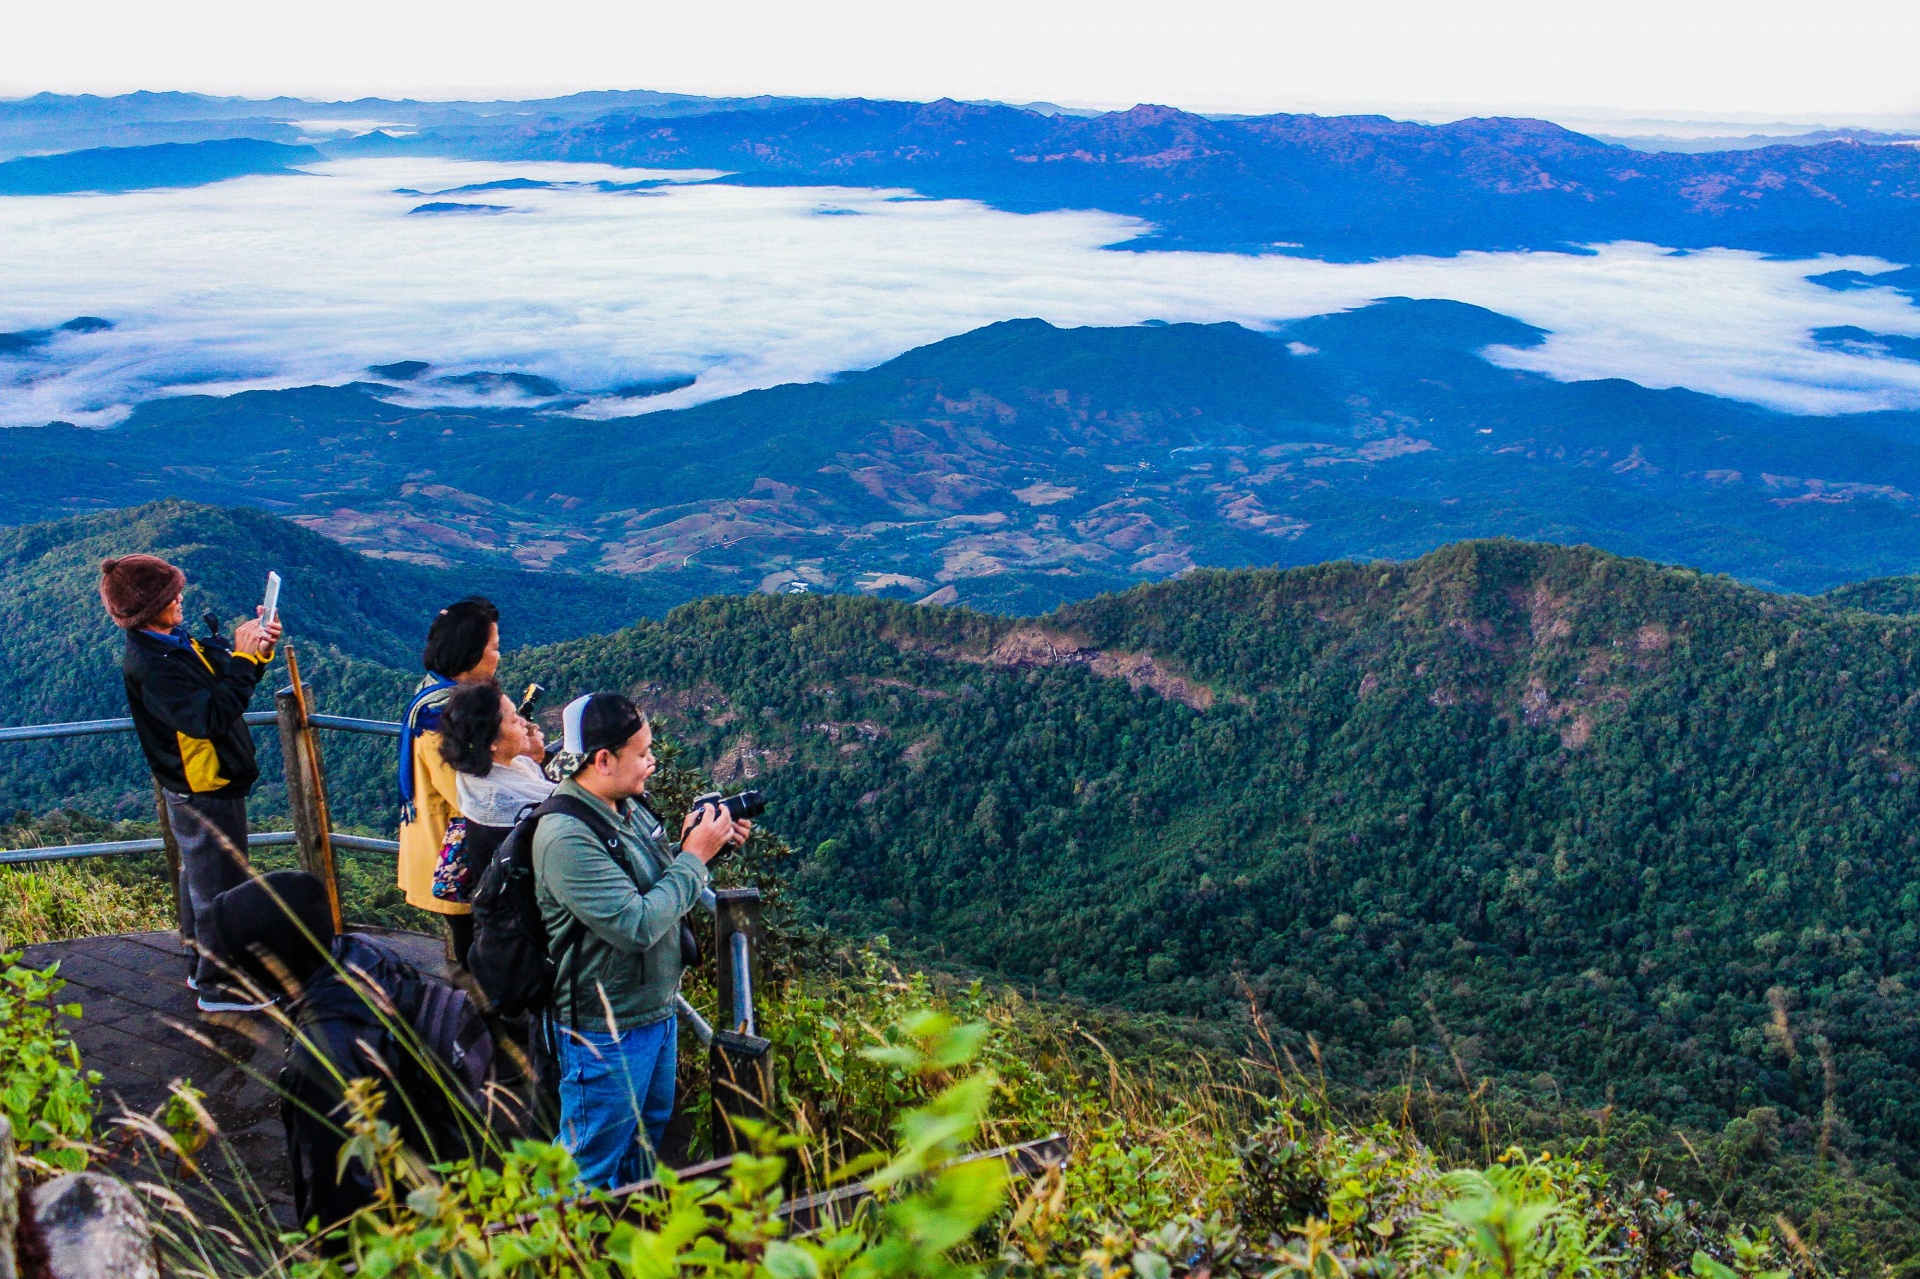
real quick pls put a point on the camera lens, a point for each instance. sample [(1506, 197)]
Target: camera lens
[(746, 806)]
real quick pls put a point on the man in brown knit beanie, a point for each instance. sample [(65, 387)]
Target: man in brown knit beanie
[(188, 697)]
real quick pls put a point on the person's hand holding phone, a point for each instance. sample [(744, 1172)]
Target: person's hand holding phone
[(257, 637)]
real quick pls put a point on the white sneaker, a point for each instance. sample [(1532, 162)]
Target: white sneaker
[(227, 1001)]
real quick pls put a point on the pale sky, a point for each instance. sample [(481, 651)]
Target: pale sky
[(1836, 61)]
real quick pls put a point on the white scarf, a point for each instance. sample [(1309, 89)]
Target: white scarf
[(508, 790)]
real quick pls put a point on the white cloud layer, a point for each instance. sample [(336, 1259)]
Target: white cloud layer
[(294, 280)]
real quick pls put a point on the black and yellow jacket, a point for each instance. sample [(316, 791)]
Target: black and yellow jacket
[(187, 697)]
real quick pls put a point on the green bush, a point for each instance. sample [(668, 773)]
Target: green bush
[(528, 1217), (47, 1096)]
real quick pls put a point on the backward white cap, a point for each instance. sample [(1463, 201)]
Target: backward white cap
[(570, 739)]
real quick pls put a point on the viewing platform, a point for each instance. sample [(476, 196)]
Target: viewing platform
[(139, 1029)]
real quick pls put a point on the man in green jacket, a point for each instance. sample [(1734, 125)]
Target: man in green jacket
[(613, 999)]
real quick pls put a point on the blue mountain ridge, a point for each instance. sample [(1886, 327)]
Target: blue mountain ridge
[(1341, 188), (168, 164), (29, 340), (1023, 464)]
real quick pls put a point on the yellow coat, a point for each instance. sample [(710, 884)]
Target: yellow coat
[(435, 804)]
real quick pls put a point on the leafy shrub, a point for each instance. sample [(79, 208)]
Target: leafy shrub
[(1282, 1184), (45, 1093), (527, 1216)]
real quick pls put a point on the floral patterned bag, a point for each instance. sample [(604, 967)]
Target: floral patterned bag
[(453, 873)]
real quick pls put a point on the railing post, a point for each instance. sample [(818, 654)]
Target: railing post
[(740, 1071), (299, 751), (735, 911), (172, 848)]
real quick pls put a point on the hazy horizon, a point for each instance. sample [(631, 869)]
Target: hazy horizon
[(1582, 119), (1759, 61)]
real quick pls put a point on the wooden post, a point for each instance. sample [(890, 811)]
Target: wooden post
[(306, 786), (180, 904), (293, 754), (739, 1068)]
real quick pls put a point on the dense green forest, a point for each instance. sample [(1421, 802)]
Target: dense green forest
[(1625, 851), (1616, 834)]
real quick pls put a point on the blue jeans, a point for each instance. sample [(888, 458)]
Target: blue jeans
[(616, 1095)]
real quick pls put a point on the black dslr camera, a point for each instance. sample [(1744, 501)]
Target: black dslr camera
[(744, 807)]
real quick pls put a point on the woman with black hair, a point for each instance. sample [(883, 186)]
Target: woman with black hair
[(495, 753), (463, 647)]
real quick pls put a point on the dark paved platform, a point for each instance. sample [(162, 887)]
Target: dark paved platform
[(139, 1028)]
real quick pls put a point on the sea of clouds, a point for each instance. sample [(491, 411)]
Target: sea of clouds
[(310, 278)]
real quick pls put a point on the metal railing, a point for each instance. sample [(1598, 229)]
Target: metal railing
[(131, 847), (255, 719), (127, 847)]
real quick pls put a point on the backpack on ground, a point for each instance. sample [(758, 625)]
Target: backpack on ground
[(431, 1072), (512, 959)]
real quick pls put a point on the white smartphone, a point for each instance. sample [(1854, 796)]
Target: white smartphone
[(272, 601)]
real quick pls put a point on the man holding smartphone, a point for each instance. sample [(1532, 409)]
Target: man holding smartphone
[(188, 697)]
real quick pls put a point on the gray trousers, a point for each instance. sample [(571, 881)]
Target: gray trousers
[(212, 834)]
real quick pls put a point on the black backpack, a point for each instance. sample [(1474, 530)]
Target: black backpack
[(512, 959), (433, 1080)]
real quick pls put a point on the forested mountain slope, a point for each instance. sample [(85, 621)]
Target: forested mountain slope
[(1604, 832), (1024, 465), (1637, 835), (1890, 595), (358, 624)]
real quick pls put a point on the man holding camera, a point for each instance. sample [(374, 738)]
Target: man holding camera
[(613, 996), (187, 697)]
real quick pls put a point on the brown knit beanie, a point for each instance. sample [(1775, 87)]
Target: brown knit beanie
[(137, 588)]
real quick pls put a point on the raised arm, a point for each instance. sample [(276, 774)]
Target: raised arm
[(582, 875)]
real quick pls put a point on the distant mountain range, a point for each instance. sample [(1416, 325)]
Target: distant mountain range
[(48, 122), (1344, 187), (1022, 465), (1333, 187)]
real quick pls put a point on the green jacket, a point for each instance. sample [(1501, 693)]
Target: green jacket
[(630, 950)]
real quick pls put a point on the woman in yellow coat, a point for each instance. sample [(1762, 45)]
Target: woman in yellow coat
[(463, 647)]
